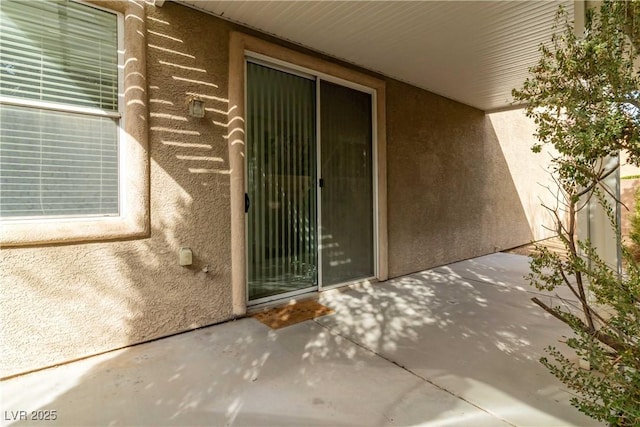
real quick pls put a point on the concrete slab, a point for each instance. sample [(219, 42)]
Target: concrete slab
[(469, 328), (503, 269), (444, 347), (238, 373)]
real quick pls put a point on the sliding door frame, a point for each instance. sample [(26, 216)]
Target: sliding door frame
[(318, 78), (243, 46), (260, 60), (374, 178)]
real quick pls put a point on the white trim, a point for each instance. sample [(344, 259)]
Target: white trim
[(374, 173), (278, 297), (88, 111), (53, 106), (121, 136), (95, 6), (58, 219), (256, 58), (304, 71), (346, 83)]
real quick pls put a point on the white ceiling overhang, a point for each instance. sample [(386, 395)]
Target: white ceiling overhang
[(474, 52)]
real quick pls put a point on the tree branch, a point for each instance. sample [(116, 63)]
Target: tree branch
[(597, 334), (597, 181)]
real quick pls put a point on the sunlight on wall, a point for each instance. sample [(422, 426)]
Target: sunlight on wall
[(530, 171), (170, 211), (178, 63)]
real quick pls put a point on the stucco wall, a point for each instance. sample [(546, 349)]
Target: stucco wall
[(68, 301), (450, 196), (530, 172), (460, 183), (628, 188)]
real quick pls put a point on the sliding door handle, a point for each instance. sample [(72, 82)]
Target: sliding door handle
[(247, 203)]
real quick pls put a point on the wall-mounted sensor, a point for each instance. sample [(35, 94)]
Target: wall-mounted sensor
[(186, 256)]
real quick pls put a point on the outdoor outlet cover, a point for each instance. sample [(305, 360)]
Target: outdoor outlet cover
[(186, 256)]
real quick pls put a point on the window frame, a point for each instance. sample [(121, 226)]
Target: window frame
[(132, 219), (117, 115)]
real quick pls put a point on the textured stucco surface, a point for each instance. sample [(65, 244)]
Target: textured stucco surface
[(68, 301), (450, 188), (451, 196), (530, 172), (628, 188)]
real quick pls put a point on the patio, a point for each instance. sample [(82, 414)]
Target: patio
[(452, 346)]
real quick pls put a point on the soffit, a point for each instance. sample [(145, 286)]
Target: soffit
[(474, 52)]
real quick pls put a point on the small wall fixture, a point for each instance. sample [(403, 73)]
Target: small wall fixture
[(196, 107), (186, 256)]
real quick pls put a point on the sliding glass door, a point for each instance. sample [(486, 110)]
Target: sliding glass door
[(307, 228), (281, 182), (346, 229)]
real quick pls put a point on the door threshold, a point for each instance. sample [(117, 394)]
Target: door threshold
[(254, 308), (281, 297), (305, 294)]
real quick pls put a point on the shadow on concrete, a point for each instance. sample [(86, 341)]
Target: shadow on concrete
[(457, 345), (469, 328), (442, 334)]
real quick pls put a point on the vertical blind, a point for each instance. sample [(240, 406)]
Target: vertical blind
[(55, 163), (282, 250)]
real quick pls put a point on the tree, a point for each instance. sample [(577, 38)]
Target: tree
[(584, 96)]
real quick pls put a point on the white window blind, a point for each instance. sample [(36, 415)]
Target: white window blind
[(58, 109)]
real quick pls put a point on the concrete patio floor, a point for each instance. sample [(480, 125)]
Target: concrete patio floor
[(451, 346)]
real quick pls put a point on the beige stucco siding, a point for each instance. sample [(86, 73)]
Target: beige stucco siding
[(457, 187), (530, 172), (68, 301), (451, 195)]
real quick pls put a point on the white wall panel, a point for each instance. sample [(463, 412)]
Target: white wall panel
[(472, 52)]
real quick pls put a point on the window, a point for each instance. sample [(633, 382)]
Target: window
[(59, 110)]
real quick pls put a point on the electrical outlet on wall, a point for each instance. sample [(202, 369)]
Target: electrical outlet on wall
[(185, 256)]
